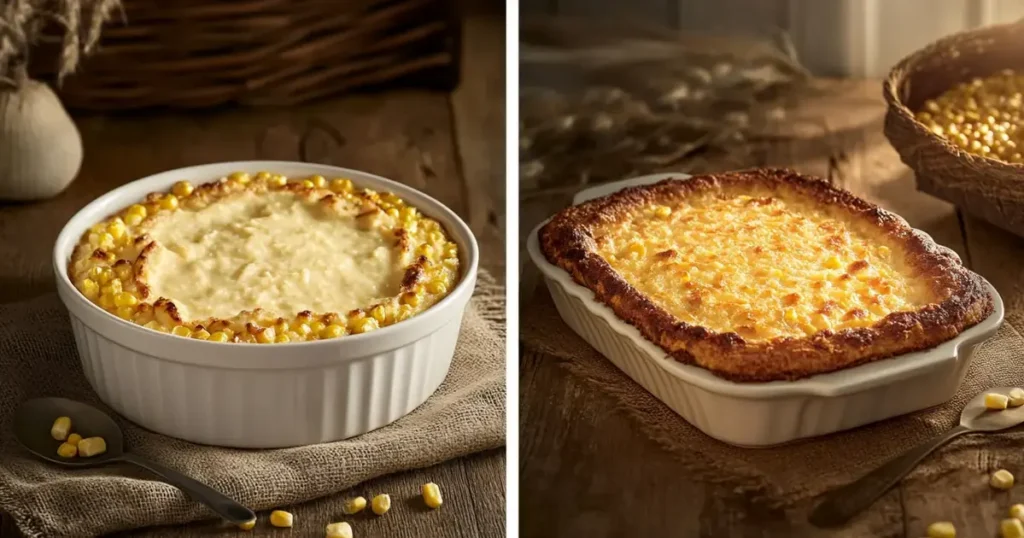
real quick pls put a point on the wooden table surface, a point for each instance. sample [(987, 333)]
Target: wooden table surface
[(586, 470), (450, 146)]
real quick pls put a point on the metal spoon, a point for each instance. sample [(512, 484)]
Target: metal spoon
[(847, 501), (32, 423)]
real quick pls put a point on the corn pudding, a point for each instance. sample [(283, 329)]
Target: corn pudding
[(266, 259), (765, 275)]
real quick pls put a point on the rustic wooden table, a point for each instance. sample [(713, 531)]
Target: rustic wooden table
[(587, 471), (451, 146)]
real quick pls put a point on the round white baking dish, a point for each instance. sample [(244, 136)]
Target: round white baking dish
[(763, 414), (264, 396)]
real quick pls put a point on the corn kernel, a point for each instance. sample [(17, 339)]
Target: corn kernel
[(67, 450), (138, 209), (125, 312), (317, 326), (169, 202), (307, 184), (332, 331), (266, 335), (340, 529), (181, 330), (201, 334), (636, 250), (283, 338), (341, 185), (248, 525), (378, 313), (112, 288), (116, 228), (280, 518), (1011, 528), (437, 287), (941, 529), (92, 446), (432, 495), (241, 177), (996, 401), (89, 288), (61, 428), (410, 298), (381, 504), (790, 315), (318, 181), (663, 212), (1001, 479), (1016, 397), (219, 336), (832, 262), (124, 271), (1017, 511), (182, 189), (125, 298), (301, 328), (74, 438), (274, 181), (354, 506), (106, 301), (363, 325)]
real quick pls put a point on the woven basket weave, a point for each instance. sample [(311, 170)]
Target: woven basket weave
[(987, 188), (201, 53)]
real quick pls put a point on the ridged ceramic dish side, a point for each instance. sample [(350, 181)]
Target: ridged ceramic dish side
[(265, 396), (764, 414)]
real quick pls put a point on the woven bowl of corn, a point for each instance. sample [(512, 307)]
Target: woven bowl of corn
[(956, 117)]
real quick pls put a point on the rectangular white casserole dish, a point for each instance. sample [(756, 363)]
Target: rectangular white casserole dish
[(762, 414), (264, 396)]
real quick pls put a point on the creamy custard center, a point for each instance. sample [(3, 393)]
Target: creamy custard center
[(271, 251)]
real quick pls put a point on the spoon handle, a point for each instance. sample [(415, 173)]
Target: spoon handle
[(847, 501), (223, 505)]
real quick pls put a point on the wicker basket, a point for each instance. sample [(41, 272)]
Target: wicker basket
[(198, 53), (987, 188)]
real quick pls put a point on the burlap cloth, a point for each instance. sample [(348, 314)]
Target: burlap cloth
[(38, 358), (783, 475)]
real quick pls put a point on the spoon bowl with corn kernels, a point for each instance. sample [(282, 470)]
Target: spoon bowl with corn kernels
[(845, 502), (34, 418)]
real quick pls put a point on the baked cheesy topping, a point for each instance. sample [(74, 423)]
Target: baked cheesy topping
[(764, 266), (263, 259)]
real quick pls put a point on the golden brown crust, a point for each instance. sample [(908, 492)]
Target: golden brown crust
[(567, 241)]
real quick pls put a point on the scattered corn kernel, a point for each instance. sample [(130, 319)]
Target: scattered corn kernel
[(318, 181), (1017, 511), (74, 438), (1011, 528), (266, 335), (341, 185), (1016, 397), (125, 312), (182, 189), (1001, 479), (432, 495), (996, 401), (663, 211), (308, 184), (92, 446), (89, 288), (280, 518), (832, 262), (125, 299), (248, 525), (61, 428), (339, 530), (354, 506), (201, 334), (67, 450), (941, 529), (381, 504), (181, 330)]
